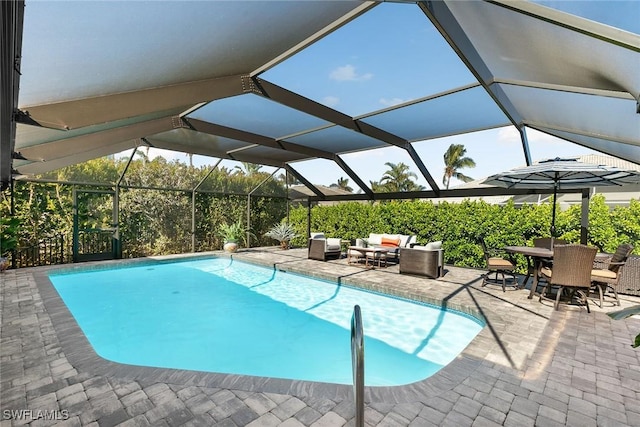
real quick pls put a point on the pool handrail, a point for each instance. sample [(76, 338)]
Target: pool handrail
[(357, 362)]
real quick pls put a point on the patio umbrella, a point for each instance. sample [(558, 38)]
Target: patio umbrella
[(558, 174)]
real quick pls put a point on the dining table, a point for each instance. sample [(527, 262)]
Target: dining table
[(537, 257)]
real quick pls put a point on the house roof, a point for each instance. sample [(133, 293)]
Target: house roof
[(88, 79)]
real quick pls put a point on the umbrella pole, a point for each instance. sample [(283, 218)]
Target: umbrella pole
[(553, 212)]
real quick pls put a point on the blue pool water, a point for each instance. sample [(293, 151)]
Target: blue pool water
[(219, 315)]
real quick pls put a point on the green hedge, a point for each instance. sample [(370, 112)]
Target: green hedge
[(459, 225)]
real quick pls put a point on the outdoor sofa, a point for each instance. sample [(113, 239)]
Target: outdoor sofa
[(391, 242)]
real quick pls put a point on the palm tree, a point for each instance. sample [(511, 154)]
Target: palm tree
[(454, 160), (288, 178), (247, 168), (377, 187), (343, 184), (399, 178)]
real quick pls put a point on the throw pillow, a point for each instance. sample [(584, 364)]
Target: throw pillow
[(392, 243)]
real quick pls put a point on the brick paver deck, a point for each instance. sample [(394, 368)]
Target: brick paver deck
[(529, 366)]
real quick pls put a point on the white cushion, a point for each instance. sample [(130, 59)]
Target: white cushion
[(434, 245), (317, 235), (355, 253), (374, 239), (333, 244)]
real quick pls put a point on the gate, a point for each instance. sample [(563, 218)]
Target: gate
[(95, 228)]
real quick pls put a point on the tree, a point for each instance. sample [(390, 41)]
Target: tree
[(454, 160), (248, 168), (289, 178), (343, 184), (399, 178)]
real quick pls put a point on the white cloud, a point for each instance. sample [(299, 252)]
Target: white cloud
[(537, 136), (391, 102), (348, 73), (331, 101), (508, 134)]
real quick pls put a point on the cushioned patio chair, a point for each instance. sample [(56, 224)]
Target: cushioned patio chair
[(571, 273), (498, 265), (605, 280), (427, 260), (322, 248), (541, 242), (547, 242)]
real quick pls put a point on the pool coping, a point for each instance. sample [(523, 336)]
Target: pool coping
[(81, 355)]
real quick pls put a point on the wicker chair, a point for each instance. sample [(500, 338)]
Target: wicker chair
[(500, 266), (605, 280), (322, 248), (541, 242), (547, 242), (571, 271), (421, 262)]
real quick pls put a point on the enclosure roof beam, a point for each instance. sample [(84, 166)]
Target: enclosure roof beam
[(207, 175), (461, 193), (253, 138), (319, 194), (354, 176), (263, 181), (306, 105)]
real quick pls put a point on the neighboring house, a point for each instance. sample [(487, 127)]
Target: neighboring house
[(614, 196)]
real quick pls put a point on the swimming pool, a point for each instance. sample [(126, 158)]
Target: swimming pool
[(219, 315)]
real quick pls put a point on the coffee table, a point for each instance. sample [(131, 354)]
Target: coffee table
[(373, 254)]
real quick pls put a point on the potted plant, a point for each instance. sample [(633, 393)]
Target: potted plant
[(283, 233), (232, 234), (8, 239)]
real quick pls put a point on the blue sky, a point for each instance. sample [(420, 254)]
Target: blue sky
[(392, 55)]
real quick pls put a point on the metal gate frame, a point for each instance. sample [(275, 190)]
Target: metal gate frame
[(114, 252)]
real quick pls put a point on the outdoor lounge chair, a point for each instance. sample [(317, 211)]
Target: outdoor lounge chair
[(421, 262), (322, 248), (571, 272), (427, 260), (605, 280), (498, 265)]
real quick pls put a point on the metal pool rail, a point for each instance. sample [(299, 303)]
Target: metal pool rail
[(357, 361)]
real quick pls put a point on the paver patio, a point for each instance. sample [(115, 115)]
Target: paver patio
[(529, 366)]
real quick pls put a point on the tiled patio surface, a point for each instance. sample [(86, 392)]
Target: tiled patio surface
[(529, 366)]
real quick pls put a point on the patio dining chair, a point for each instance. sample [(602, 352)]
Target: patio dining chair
[(570, 274), (547, 242), (541, 242), (500, 266), (605, 280)]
